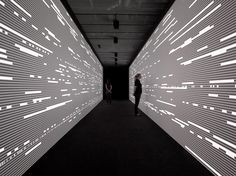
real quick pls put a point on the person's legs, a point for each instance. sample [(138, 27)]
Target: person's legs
[(109, 97), (137, 99)]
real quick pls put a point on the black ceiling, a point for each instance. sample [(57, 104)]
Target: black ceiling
[(137, 20)]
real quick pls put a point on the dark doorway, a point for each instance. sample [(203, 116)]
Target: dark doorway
[(119, 77)]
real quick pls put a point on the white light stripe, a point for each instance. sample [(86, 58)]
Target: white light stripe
[(9, 107), (222, 81), (6, 78), (224, 111), (28, 51), (52, 81), (182, 122), (17, 148), (17, 14), (33, 92), (232, 96), (67, 82), (23, 104), (199, 136), (64, 95), (46, 4), (233, 113), (224, 141), (187, 82), (169, 91), (197, 22), (192, 4), (33, 148), (3, 56), (194, 104), (191, 131), (198, 126), (21, 8), (9, 153), (217, 173), (228, 63), (213, 95), (31, 76), (20, 35), (166, 103), (63, 90), (27, 142), (2, 149), (47, 109), (179, 58), (228, 37), (62, 65), (173, 87), (34, 27), (200, 49), (3, 50), (2, 3), (40, 99), (231, 123), (212, 108), (192, 19), (5, 62), (212, 54), (182, 126)]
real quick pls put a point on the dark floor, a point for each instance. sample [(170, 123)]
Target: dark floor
[(110, 140)]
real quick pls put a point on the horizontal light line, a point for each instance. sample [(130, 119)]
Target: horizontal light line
[(228, 37), (23, 104), (47, 109), (231, 123), (213, 95), (20, 35), (187, 82), (228, 63), (166, 103), (232, 96), (200, 49), (1, 150), (222, 81), (6, 78), (33, 148), (5, 62), (33, 92), (16, 4), (3, 50), (224, 141), (198, 126), (27, 142), (182, 122), (52, 81), (3, 56)]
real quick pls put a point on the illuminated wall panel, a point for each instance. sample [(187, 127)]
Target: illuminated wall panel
[(49, 80), (189, 80)]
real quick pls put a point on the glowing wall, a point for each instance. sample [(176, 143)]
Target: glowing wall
[(189, 80), (49, 80)]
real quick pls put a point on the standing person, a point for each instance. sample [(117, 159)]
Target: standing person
[(137, 92), (108, 88)]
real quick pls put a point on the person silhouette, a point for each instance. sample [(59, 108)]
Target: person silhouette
[(108, 88), (137, 93)]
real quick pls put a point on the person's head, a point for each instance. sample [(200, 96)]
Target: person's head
[(108, 81), (138, 76)]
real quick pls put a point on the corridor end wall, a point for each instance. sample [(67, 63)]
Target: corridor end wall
[(49, 80), (188, 69)]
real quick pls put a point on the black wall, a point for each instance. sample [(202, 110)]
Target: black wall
[(119, 77)]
